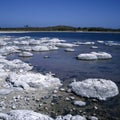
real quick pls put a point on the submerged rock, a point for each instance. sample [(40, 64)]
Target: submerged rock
[(95, 88), (69, 50), (94, 47)]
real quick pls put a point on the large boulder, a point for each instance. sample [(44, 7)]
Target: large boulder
[(87, 56), (24, 115), (15, 65), (31, 115), (95, 88), (102, 55)]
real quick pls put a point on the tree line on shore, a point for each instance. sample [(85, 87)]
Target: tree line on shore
[(60, 28)]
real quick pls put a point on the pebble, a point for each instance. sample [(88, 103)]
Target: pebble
[(55, 91), (13, 107), (62, 89), (79, 103), (72, 97), (67, 99), (68, 91)]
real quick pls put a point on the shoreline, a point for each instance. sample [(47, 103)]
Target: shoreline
[(58, 32)]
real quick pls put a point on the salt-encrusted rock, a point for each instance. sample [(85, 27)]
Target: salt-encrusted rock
[(5, 91), (34, 42), (2, 43), (87, 56), (112, 43), (70, 117), (25, 54), (25, 48), (3, 75), (34, 80), (102, 55), (69, 50), (15, 65), (95, 88), (79, 103), (100, 41), (93, 118), (85, 43), (40, 48), (67, 45), (24, 115), (94, 56), (6, 50)]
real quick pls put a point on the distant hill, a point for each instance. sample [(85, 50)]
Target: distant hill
[(60, 28)]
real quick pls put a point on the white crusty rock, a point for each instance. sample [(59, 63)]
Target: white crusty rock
[(102, 55), (85, 43), (15, 65), (6, 50), (31, 80), (5, 91), (67, 45), (24, 115), (70, 117), (31, 115), (79, 103), (25, 48), (94, 56), (40, 48), (93, 118), (87, 56), (25, 54), (95, 88)]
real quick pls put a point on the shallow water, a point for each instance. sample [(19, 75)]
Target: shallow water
[(67, 67)]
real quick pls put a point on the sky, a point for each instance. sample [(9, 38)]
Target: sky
[(42, 13)]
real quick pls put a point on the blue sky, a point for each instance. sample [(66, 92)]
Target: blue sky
[(83, 13)]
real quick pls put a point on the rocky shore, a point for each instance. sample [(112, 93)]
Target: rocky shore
[(26, 94)]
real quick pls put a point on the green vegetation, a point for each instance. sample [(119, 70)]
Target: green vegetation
[(61, 28)]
